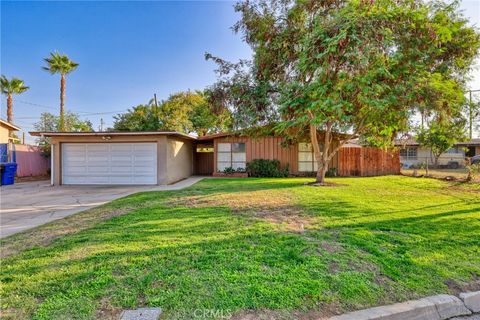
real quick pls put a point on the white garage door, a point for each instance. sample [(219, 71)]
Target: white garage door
[(109, 163)]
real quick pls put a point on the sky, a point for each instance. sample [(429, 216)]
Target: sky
[(127, 51)]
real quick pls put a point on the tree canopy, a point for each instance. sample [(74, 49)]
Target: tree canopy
[(346, 66), (9, 88), (187, 112), (61, 64), (51, 123)]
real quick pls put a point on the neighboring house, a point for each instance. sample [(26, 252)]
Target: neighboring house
[(6, 130), (413, 154), (165, 157)]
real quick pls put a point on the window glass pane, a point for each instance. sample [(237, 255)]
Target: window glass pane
[(238, 147), (238, 165), (224, 156), (305, 156), (305, 166), (412, 152), (403, 152), (240, 157), (204, 149), (222, 165), (224, 147), (304, 147)]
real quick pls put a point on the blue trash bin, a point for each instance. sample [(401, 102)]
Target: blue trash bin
[(8, 173)]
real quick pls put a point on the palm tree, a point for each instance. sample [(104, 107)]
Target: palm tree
[(9, 88), (58, 63)]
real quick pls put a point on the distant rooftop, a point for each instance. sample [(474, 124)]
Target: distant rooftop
[(414, 142)]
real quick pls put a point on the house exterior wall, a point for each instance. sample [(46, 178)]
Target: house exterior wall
[(477, 151), (174, 155), (179, 164), (424, 155), (269, 148), (4, 134)]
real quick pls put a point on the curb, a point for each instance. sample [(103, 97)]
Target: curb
[(439, 307)]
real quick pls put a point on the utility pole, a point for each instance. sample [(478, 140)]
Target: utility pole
[(101, 124), (470, 116), (156, 109)]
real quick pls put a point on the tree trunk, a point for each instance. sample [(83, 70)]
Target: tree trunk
[(62, 103), (322, 158), (435, 158), (10, 108)]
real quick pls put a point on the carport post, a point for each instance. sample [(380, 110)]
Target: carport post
[(52, 163)]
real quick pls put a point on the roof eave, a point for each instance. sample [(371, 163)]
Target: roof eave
[(10, 125), (126, 133)]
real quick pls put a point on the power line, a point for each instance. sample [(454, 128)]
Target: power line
[(77, 111)]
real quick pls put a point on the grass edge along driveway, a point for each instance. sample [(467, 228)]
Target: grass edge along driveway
[(271, 247)]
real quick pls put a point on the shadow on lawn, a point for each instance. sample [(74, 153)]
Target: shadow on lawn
[(208, 257), (158, 258)]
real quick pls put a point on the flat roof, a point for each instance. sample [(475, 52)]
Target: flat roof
[(111, 133), (10, 125)]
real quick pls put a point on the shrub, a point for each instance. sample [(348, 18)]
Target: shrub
[(332, 172), (229, 170), (266, 169), (473, 171)]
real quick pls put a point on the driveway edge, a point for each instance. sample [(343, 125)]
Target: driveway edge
[(439, 307)]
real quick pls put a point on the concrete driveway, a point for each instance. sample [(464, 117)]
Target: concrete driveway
[(29, 204)]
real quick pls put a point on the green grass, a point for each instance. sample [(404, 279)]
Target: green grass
[(243, 246)]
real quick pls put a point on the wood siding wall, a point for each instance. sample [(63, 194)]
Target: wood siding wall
[(364, 162), (268, 148), (203, 163)]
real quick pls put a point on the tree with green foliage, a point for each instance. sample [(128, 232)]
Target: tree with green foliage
[(355, 67), (58, 63), (185, 112), (51, 123), (9, 88), (139, 118), (441, 136)]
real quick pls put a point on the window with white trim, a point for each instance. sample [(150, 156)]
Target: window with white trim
[(231, 155), (409, 153), (306, 158)]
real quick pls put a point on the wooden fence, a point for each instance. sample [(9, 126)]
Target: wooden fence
[(30, 161), (364, 162)]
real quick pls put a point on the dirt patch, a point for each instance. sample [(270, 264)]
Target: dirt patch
[(274, 206), (107, 311), (331, 246), (326, 184), (456, 287), (241, 200), (458, 187)]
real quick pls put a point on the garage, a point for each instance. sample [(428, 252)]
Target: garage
[(109, 163), (119, 158)]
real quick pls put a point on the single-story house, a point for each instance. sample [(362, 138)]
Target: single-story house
[(6, 129), (413, 154), (162, 157)]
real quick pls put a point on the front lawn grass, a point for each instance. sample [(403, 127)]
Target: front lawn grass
[(250, 247)]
